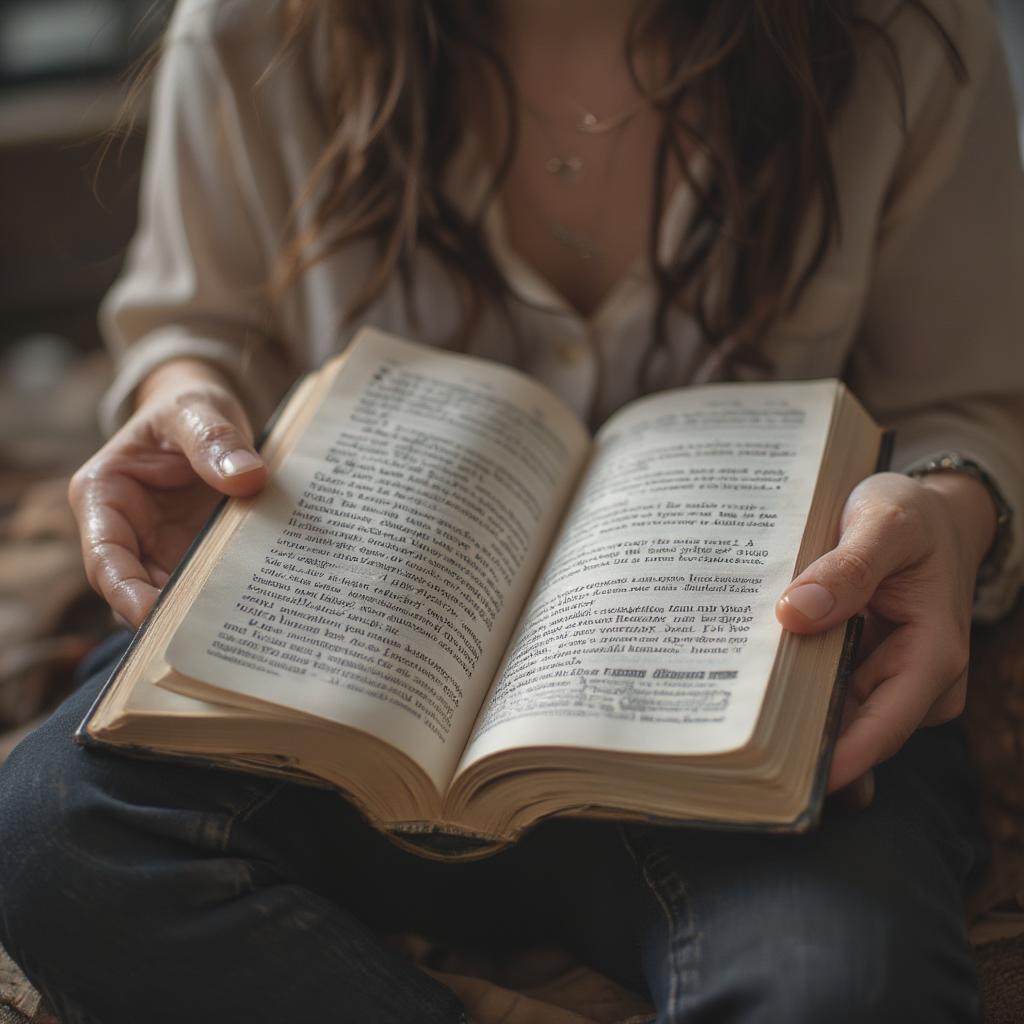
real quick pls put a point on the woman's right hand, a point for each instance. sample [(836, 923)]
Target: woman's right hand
[(141, 499)]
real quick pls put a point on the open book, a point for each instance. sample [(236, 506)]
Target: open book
[(455, 605)]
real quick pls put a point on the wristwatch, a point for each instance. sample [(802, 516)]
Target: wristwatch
[(954, 462)]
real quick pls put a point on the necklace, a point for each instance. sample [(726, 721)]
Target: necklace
[(568, 165), (577, 238), (587, 122), (568, 168), (584, 247), (590, 124)]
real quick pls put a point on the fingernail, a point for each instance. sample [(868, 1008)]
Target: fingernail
[(238, 462), (811, 600)]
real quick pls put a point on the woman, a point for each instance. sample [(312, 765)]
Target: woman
[(618, 197)]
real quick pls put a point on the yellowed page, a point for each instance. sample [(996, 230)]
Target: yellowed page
[(652, 626), (147, 697), (377, 580)]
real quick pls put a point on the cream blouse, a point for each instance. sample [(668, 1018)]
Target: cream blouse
[(920, 308)]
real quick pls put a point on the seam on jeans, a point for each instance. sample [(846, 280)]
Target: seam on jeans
[(247, 811), (673, 988), (675, 932)]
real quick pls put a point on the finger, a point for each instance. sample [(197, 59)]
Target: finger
[(856, 794), (122, 581), (110, 553), (930, 650), (874, 631), (885, 721), (878, 541), (950, 705), (219, 447), (859, 793), (116, 574), (157, 573), (888, 659)]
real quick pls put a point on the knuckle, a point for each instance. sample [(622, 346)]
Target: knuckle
[(889, 735), (959, 656), (214, 435), (94, 553), (948, 707), (76, 486), (955, 703), (851, 568), (92, 569), (893, 517), (954, 654), (892, 739), (83, 478), (206, 399)]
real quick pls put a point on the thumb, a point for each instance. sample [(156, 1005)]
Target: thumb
[(219, 446), (842, 582)]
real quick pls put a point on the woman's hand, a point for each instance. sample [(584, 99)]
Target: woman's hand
[(908, 555), (141, 499)]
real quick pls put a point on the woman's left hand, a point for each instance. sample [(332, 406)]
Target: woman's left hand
[(908, 555)]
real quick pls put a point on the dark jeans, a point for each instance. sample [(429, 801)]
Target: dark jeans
[(136, 891)]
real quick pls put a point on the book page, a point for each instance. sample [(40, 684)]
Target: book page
[(652, 626), (378, 578)]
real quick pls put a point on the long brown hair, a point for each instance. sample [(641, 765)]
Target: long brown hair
[(768, 75)]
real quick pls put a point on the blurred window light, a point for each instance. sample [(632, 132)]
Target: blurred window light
[(42, 39), (56, 34)]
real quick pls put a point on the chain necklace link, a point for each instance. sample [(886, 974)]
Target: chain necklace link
[(569, 168)]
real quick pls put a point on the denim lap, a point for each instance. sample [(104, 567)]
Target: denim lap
[(861, 920), (132, 889), (212, 895)]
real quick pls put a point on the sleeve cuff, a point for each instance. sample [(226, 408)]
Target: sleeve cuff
[(996, 596), (258, 378)]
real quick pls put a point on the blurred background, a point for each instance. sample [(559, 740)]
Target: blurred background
[(69, 190), (69, 194)]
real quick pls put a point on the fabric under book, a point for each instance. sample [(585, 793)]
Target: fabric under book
[(458, 607)]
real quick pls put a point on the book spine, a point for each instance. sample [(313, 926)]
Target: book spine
[(833, 720)]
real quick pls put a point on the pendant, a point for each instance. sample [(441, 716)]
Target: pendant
[(585, 248), (567, 170)]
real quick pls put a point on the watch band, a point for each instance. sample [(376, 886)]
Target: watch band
[(954, 462)]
